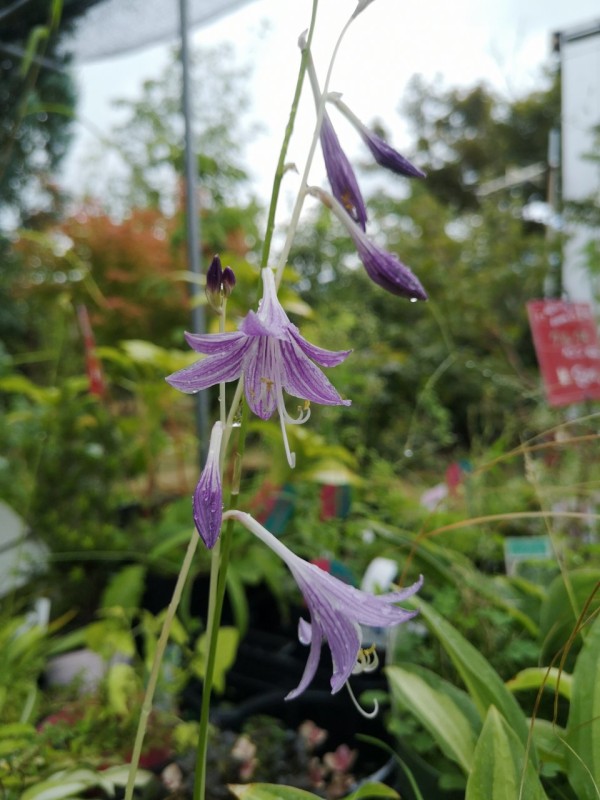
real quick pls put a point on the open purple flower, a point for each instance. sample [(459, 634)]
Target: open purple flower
[(271, 355), (336, 611), (382, 152), (208, 497), (384, 269)]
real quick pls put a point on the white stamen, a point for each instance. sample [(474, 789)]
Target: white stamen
[(291, 457), (366, 714)]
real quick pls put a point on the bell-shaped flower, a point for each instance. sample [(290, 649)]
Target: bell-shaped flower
[(382, 152), (385, 269), (208, 497), (269, 353), (337, 610)]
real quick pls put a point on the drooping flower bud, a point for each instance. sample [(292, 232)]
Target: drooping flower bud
[(208, 497)]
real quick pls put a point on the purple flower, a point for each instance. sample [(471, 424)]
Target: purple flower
[(384, 269), (383, 154), (271, 355), (336, 611), (341, 175), (208, 497)]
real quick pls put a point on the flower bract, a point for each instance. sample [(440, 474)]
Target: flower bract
[(269, 353), (337, 610)]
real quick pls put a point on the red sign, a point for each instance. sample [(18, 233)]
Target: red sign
[(568, 350)]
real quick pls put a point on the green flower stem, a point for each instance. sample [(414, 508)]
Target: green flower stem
[(280, 170), (156, 663), (218, 583)]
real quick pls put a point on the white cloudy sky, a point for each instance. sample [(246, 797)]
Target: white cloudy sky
[(504, 42)]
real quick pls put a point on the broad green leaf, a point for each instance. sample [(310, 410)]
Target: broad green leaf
[(534, 677), (126, 588), (122, 686), (227, 643), (437, 712), (372, 790), (482, 681), (499, 770), (64, 785), (268, 791), (549, 742), (557, 616), (583, 728)]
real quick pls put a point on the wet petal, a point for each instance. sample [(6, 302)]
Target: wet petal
[(386, 270)]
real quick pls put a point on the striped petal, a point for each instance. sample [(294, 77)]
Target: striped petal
[(211, 370), (301, 378)]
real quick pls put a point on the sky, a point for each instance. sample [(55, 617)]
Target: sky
[(505, 43)]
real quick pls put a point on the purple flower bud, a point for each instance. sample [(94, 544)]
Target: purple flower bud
[(341, 175), (214, 280), (339, 170), (228, 281), (384, 269), (208, 497), (382, 152)]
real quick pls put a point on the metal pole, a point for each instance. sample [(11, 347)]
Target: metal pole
[(193, 224)]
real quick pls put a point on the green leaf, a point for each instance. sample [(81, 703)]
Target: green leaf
[(227, 643), (499, 770), (482, 681), (437, 712), (122, 686), (534, 677), (372, 790), (126, 588), (583, 728), (268, 791), (549, 742), (557, 616)]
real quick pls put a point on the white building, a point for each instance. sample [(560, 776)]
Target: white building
[(580, 76)]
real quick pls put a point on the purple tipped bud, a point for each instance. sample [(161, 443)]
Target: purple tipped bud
[(341, 175), (208, 497), (228, 281), (214, 280), (389, 158), (381, 151)]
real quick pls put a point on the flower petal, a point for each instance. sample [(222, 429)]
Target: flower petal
[(301, 378), (310, 669), (225, 366), (210, 343), (326, 358), (261, 376)]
